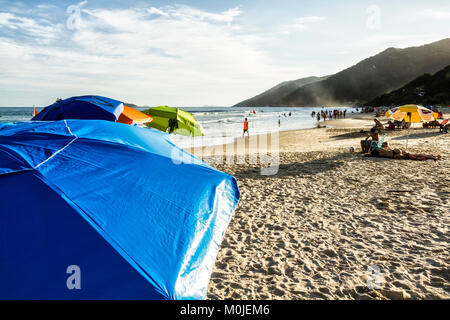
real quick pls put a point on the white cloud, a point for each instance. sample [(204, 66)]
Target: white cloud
[(311, 19), (157, 11), (30, 27), (434, 14), (383, 41), (428, 16), (300, 24), (45, 6), (191, 13), (188, 13), (170, 55)]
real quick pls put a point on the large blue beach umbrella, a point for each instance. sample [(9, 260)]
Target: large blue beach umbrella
[(82, 107), (101, 210)]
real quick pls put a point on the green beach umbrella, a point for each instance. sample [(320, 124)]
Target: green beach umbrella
[(174, 120)]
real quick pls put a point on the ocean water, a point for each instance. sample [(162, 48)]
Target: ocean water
[(221, 124)]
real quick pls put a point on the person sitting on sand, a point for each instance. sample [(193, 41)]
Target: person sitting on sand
[(365, 144), (390, 126), (405, 125), (387, 152), (378, 125)]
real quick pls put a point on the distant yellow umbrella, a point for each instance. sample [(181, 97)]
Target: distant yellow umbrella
[(412, 113)]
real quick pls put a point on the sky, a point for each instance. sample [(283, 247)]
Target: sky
[(195, 53)]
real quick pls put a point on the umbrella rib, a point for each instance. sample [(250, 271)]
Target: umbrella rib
[(16, 171), (105, 102), (62, 149), (68, 128)]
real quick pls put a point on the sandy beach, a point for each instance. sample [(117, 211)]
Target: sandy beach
[(332, 224)]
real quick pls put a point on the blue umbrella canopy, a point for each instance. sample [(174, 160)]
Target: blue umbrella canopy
[(138, 217), (82, 107)]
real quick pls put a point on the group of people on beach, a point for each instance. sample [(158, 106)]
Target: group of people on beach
[(371, 147), (329, 114), (289, 114), (365, 110), (285, 115)]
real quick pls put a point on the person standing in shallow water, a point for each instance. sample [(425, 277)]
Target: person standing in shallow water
[(246, 128)]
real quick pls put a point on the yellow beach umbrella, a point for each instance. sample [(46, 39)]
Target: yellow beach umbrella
[(412, 113)]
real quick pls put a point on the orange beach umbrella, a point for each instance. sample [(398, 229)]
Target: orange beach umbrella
[(133, 116)]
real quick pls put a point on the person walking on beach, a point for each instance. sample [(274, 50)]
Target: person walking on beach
[(246, 128)]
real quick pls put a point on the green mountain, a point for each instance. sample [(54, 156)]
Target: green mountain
[(426, 90), (384, 72)]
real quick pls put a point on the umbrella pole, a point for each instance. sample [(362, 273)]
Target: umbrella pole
[(407, 137), (409, 128)]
